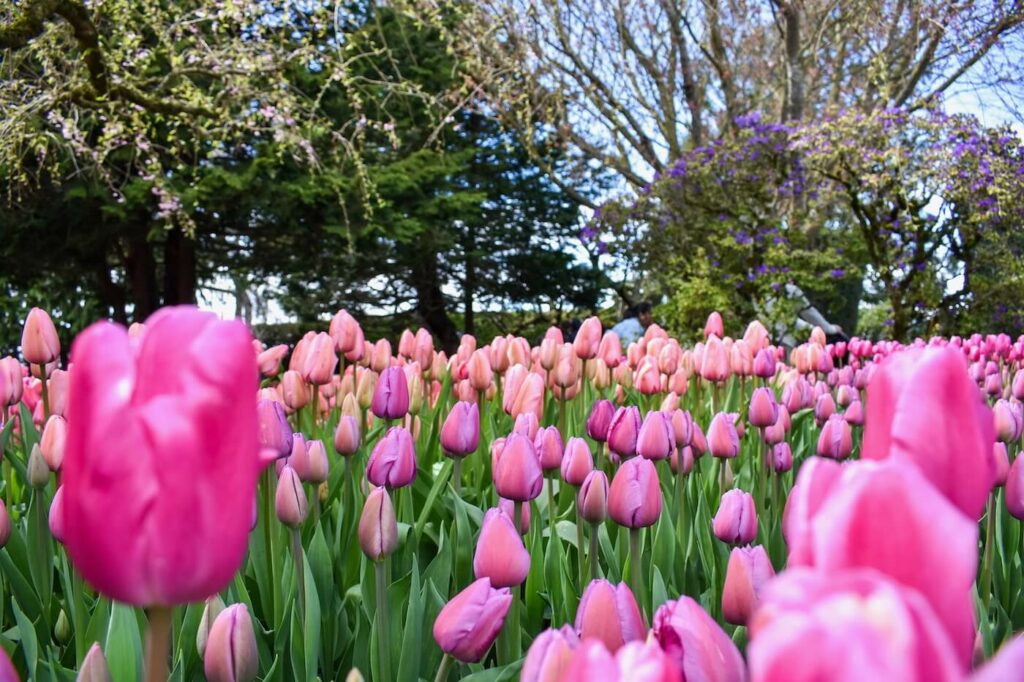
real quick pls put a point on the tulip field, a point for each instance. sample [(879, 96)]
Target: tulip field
[(180, 502)]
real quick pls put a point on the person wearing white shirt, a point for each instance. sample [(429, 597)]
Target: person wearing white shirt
[(637, 320)]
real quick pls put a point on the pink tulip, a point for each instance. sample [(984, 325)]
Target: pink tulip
[(634, 499), (460, 434), (423, 348), (530, 397), (610, 350), (824, 407), (5, 523), (378, 527), (393, 460), (40, 344), (588, 339), (527, 425), (53, 441), (763, 410), (275, 433), (57, 391), (609, 613), (11, 384), (509, 507), (736, 520), (657, 438), (468, 624), (698, 443), (94, 667), (231, 654), (517, 475), (380, 356), (294, 391), (885, 516), (835, 440), (1005, 665), (345, 332), (549, 655), (347, 437), (391, 395), (1015, 488), (714, 326), (854, 413), (648, 377), (1002, 460), (577, 461), (748, 572), (57, 523), (701, 649), (182, 403), (715, 364), (1009, 420), (849, 625), (907, 393), (623, 431), (548, 444), (290, 502), (317, 466), (500, 553), (723, 440), (634, 662), (782, 457), (592, 498), (269, 361), (320, 360), (764, 364), (478, 370), (600, 420), (684, 456)]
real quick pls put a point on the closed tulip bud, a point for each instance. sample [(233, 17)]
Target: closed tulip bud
[(517, 475), (824, 408), (1017, 386), (38, 471), (549, 655), (320, 360), (393, 460), (600, 420), (378, 526), (854, 413), (748, 571), (460, 434), (391, 395), (682, 427), (40, 344), (290, 501), (764, 364), (347, 436), (343, 331), (530, 397), (993, 385), (846, 394), (698, 442), (423, 348), (548, 444), (11, 384), (57, 391), (269, 360), (592, 498), (527, 425), (468, 624), (380, 357), (479, 370), (835, 440), (366, 388), (609, 613), (548, 353), (294, 391), (5, 525), (414, 379), (317, 463), (782, 457), (723, 440), (406, 344), (610, 350), (624, 430), (214, 605), (300, 353), (94, 667), (657, 439), (52, 444), (508, 506), (231, 653), (763, 410), (715, 363), (56, 516), (648, 377), (500, 553), (588, 339), (714, 326), (1015, 489), (1002, 460), (634, 499), (682, 460), (736, 520), (1009, 420), (298, 459), (577, 461)]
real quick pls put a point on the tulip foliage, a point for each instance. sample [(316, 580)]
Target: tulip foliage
[(180, 502)]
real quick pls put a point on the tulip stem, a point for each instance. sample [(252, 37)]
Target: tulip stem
[(986, 574), (595, 555), (551, 507), (383, 626), (300, 574), (681, 518), (442, 670), (635, 575), (268, 541), (45, 393), (158, 643), (579, 547), (457, 475)]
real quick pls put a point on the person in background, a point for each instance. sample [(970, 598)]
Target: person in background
[(638, 318)]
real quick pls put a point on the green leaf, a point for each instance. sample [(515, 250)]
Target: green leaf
[(508, 672), (409, 665), (123, 647), (29, 641)]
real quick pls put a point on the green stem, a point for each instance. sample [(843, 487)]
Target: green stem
[(636, 577), (516, 640), (457, 475), (722, 463), (551, 508), (986, 574), (579, 549), (268, 541), (681, 520), (442, 670), (300, 574), (383, 627), (158, 643), (595, 553), (46, 394)]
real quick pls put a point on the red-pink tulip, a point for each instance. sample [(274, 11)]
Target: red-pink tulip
[(908, 392), (517, 474), (634, 499), (623, 431), (40, 344), (548, 444), (609, 613), (231, 654), (182, 403), (657, 438), (393, 460), (692, 638), (468, 624), (850, 625), (600, 419), (736, 520), (460, 434), (714, 326), (345, 332), (269, 360), (588, 339), (500, 553), (378, 527), (577, 461), (723, 440), (748, 572), (549, 655), (57, 391)]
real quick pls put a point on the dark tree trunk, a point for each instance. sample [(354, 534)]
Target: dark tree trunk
[(469, 281), (430, 301), (110, 294), (179, 268), (140, 268)]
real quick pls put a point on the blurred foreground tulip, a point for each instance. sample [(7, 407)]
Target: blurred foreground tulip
[(696, 643), (610, 614), (549, 655)]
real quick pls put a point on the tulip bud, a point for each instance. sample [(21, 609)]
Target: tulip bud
[(763, 410), (736, 520), (298, 459), (214, 605), (548, 444), (460, 434), (54, 437), (343, 331), (592, 498), (380, 357), (1015, 489), (231, 653), (5, 524), (577, 461), (623, 431), (723, 440), (1009, 420), (38, 471), (290, 500), (835, 440), (657, 438), (634, 499), (347, 437), (294, 391), (682, 460), (317, 463), (715, 363), (56, 516), (854, 413), (508, 506), (609, 613), (764, 364), (479, 370), (468, 624), (748, 571), (782, 457), (275, 434), (648, 377), (94, 666), (391, 395), (600, 420), (698, 442), (518, 475), (366, 387), (269, 360), (549, 655), (1002, 460), (714, 325), (378, 526), (500, 553), (40, 344), (588, 339), (824, 408), (320, 360), (393, 460)]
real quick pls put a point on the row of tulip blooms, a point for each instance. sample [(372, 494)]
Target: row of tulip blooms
[(180, 502)]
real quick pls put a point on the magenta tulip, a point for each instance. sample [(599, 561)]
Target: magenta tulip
[(610, 614), (182, 404), (460, 434), (736, 520), (517, 475), (500, 553), (600, 420), (391, 395), (634, 499), (468, 624), (692, 638)]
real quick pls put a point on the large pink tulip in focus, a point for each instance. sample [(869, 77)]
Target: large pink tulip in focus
[(634, 500), (924, 408), (697, 643), (182, 404), (460, 433), (609, 613), (468, 624)]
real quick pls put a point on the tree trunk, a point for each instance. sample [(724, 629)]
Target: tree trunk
[(430, 301), (794, 69), (469, 281), (140, 268), (179, 269)]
